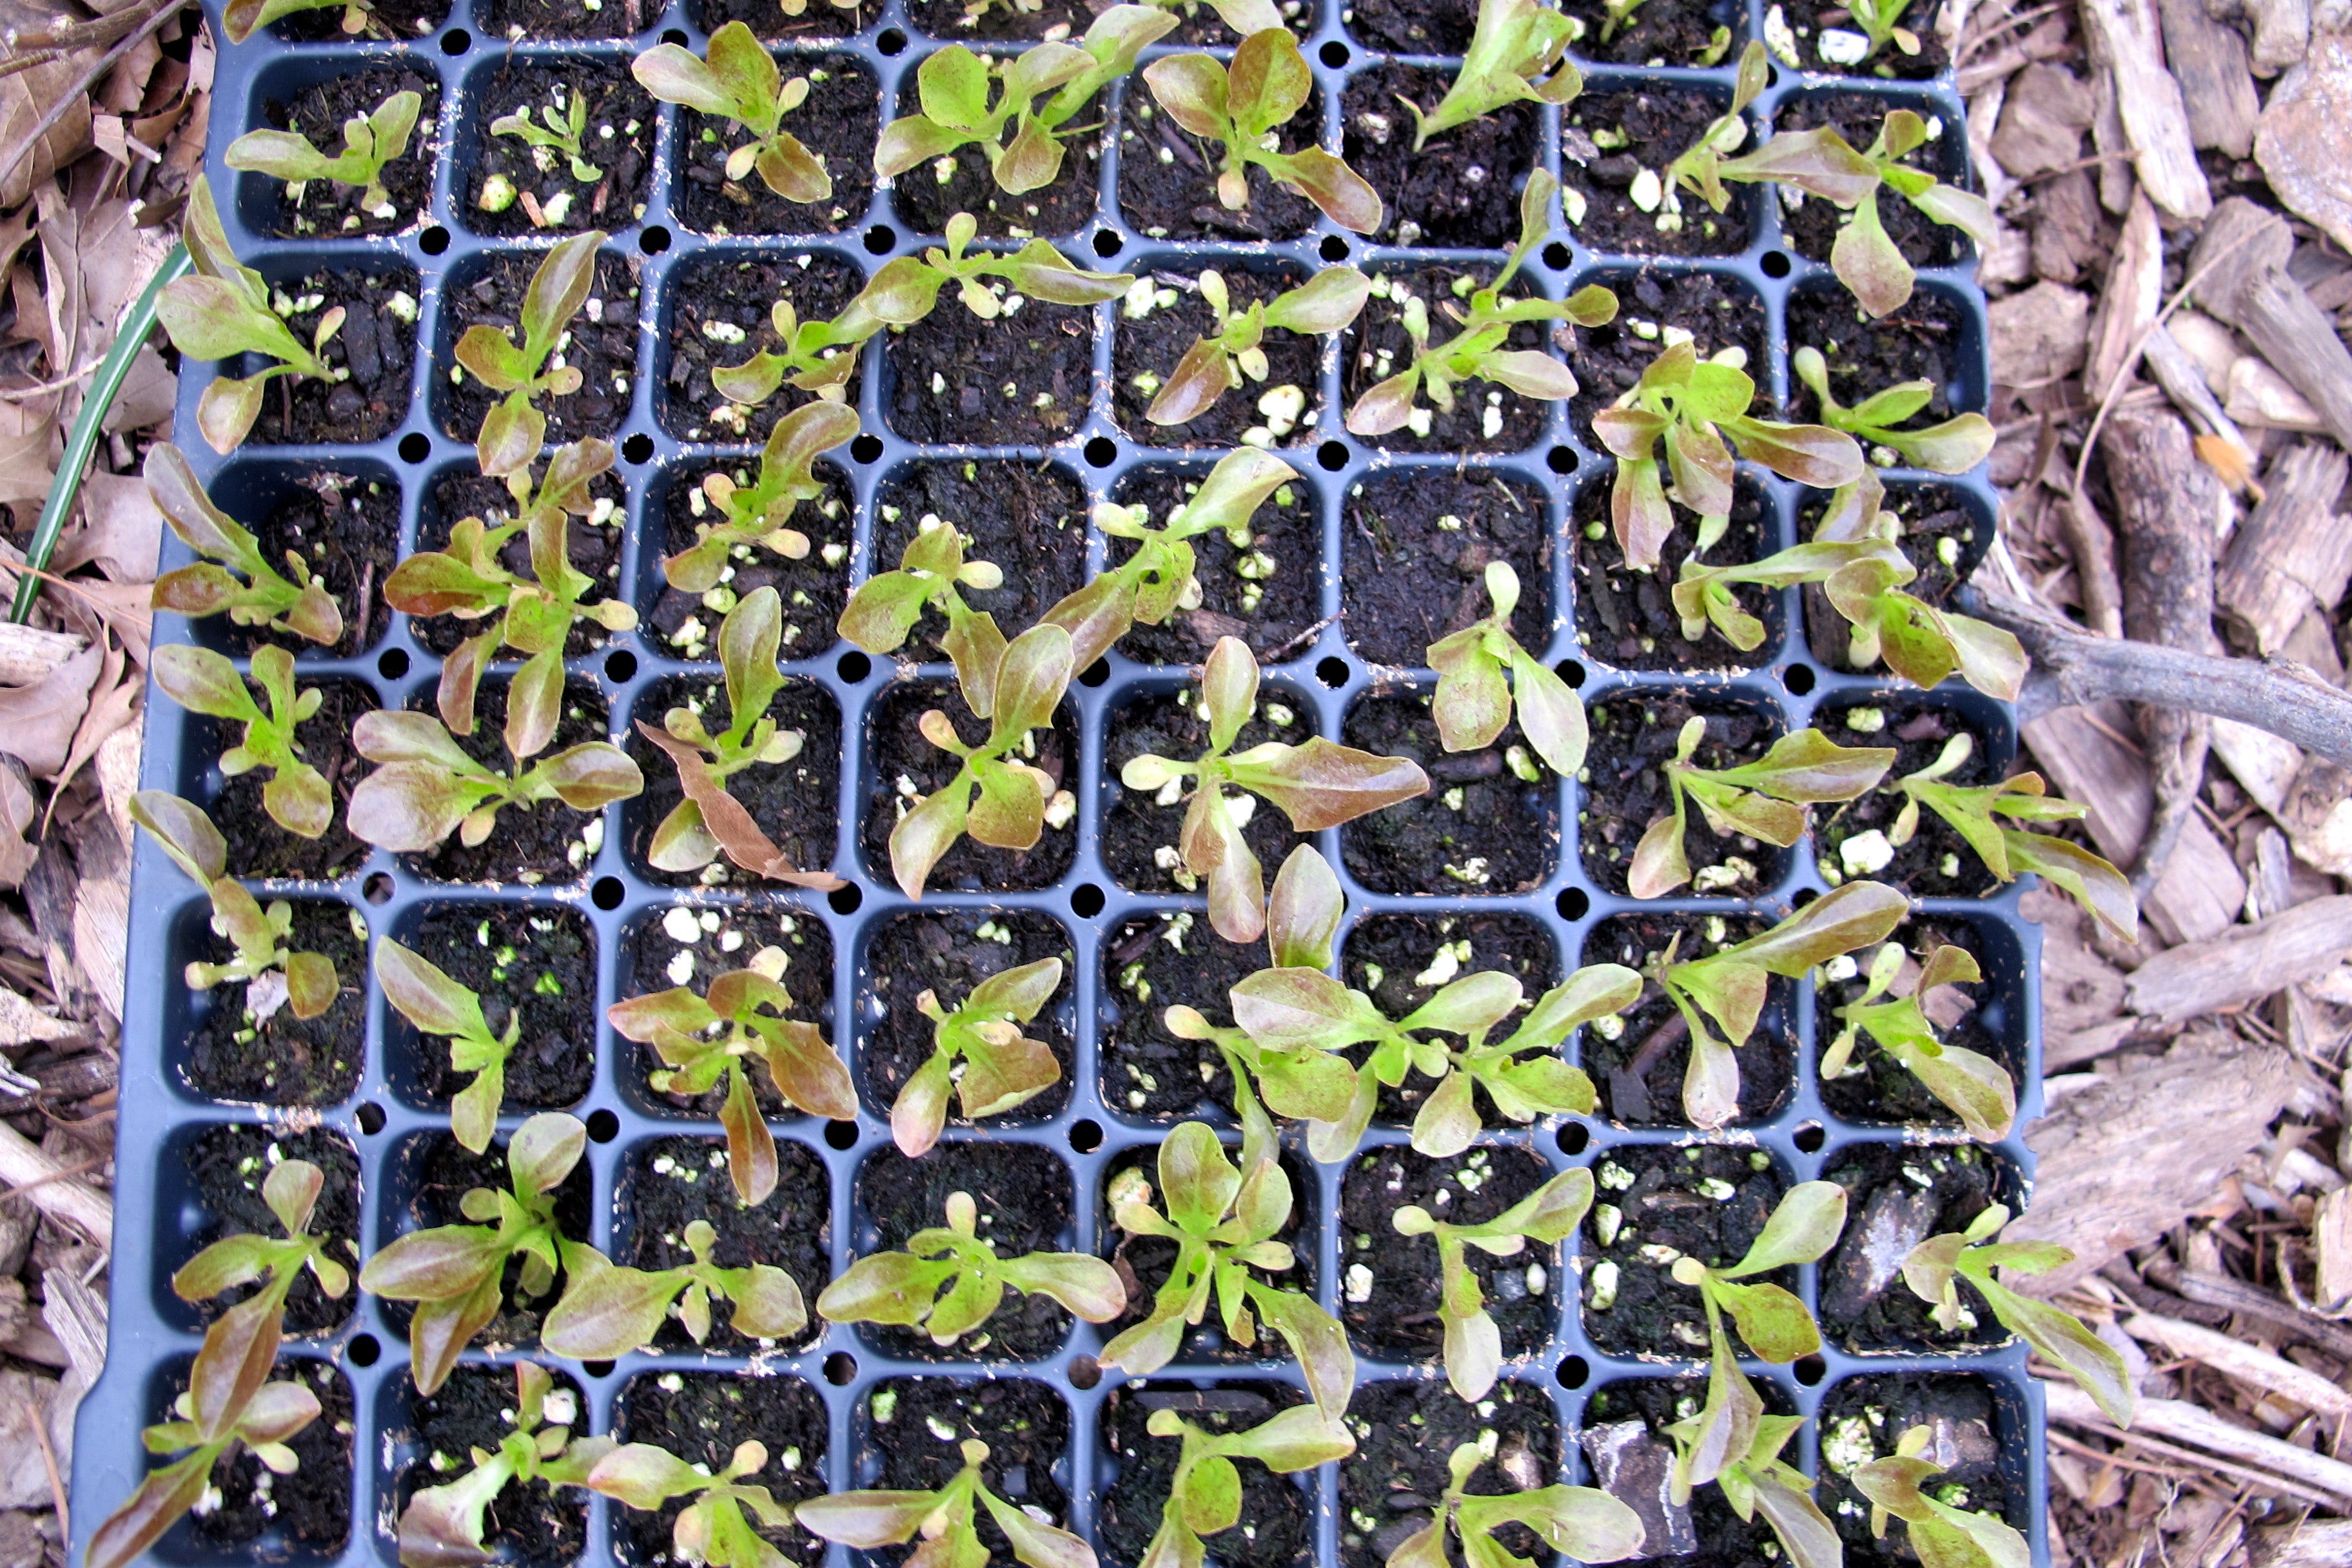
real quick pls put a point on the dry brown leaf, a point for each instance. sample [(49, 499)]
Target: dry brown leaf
[(94, 607), (27, 431), (146, 397), (60, 231), (37, 723), (114, 701), (25, 98), (120, 531), (17, 810)]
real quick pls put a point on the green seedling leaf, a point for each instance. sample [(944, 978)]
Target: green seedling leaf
[(737, 79), (949, 1283), (298, 603), (1001, 1067), (371, 143), (1240, 108)]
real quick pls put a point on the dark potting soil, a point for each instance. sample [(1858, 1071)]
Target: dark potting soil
[(1937, 863), (1028, 519), (1414, 550), (1135, 827), (813, 588), (1653, 1097), (1145, 1262), (1725, 1540), (1486, 416), (723, 316), (1065, 205), (329, 209), (1021, 380), (1633, 738), (1457, 190), (288, 1060), (1167, 177), (1627, 618), (947, 953), (1920, 341), (531, 844), (519, 19), (793, 801), (1024, 1424), (954, 21), (899, 751), (474, 1409), (1812, 227), (840, 122), (1710, 1201), (1875, 1088), (1890, 62), (724, 937), (309, 1511), (1662, 32), (673, 1182), (403, 20), (435, 1173), (617, 144), (791, 21), (1153, 962), (1609, 138), (263, 847), (1025, 1201), (1394, 1314), (1399, 1472), (604, 346), (1272, 612), (1145, 350), (537, 961), (347, 531), (1274, 1527), (372, 358), (593, 546), (1498, 834), (701, 1416), (1402, 27), (1863, 1417), (1717, 312), (1897, 1195), (1401, 961), (228, 1164)]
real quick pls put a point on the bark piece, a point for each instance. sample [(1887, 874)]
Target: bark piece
[(2181, 1422), (2317, 816), (1638, 1470), (2094, 547), (2241, 1362), (61, 1197), (2128, 301), (2067, 241), (2042, 119), (2039, 334), (2209, 61), (2262, 399), (2126, 41), (2294, 552), (2083, 1012), (2313, 1543), (2282, 34), (24, 1477), (2262, 763), (2241, 258), (2331, 1238), (2304, 141)]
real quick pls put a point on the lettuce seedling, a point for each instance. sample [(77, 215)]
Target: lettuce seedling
[(1764, 799), (296, 795), (1704, 597), (953, 82), (870, 1519), (1003, 1068), (1954, 446), (1241, 108), (819, 356), (949, 1283), (298, 602), (1018, 697), (1734, 1443), (453, 1272), (906, 289), (2006, 851), (1696, 406), (608, 1310), (240, 19), (1223, 1223), (1584, 1522), (1318, 784), (1938, 1265), (881, 614), (291, 1190), (558, 130), (306, 982), (711, 1529), (1477, 351), (1473, 1344), (214, 1418), (738, 80), (1975, 1087), (429, 786), (1773, 1323), (1940, 1532), (1729, 986), (436, 1005), (1205, 1495), (442, 1526), (710, 819), (1518, 53), (1216, 363), (221, 310), (703, 1040), (756, 513), (514, 430), (371, 143), (1474, 700)]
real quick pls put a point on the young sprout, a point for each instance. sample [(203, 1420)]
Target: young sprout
[(1518, 53), (2006, 851), (1215, 364), (514, 430), (953, 86), (1937, 1266), (1704, 597), (1584, 1522), (702, 1039), (1764, 799), (559, 130), (455, 1272), (219, 1412), (429, 786), (291, 1191), (296, 796), (903, 291), (1243, 17), (222, 311), (371, 142), (1731, 987), (1734, 1443), (1003, 1068), (1954, 446), (711, 1529), (436, 1005), (1878, 20), (881, 614), (1243, 109), (738, 80), (870, 1519), (949, 1283), (709, 819), (240, 19), (306, 982), (1474, 700), (1939, 1531), (1317, 785), (1473, 1344), (298, 603), (442, 1526), (1205, 1495), (1616, 15), (1477, 351), (819, 356), (1975, 1087), (757, 513), (1223, 1223), (1773, 1323), (608, 1310)]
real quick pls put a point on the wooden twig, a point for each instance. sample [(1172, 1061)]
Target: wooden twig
[(63, 1198), (2253, 1301), (2242, 1362), (2202, 1461), (162, 12), (2161, 1418)]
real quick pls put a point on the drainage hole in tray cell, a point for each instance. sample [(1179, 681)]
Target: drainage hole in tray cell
[(1811, 1370), (603, 1127), (363, 1349), (639, 448), (1334, 248), (1810, 1138), (607, 893), (394, 664), (1775, 264), (1106, 243), (879, 239), (1574, 1373), (840, 1368), (1799, 679), (1085, 1371), (1555, 256), (1573, 904), (866, 449), (457, 41), (377, 889), (1574, 1137), (1332, 672), (854, 668), (841, 1135), (1560, 459), (597, 1368), (846, 900), (1102, 452), (1086, 1135), (1570, 671), (434, 240), (654, 241), (891, 42), (620, 665), (1086, 901), (1332, 455), (415, 447), (370, 1117), (1096, 673)]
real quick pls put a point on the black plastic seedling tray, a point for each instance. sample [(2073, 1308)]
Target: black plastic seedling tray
[(385, 1120)]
